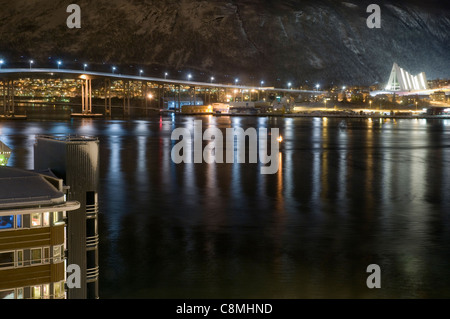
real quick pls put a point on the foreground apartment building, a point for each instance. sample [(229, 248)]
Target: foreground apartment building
[(33, 208), (48, 221)]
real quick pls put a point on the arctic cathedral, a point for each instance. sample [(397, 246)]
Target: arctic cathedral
[(401, 80)]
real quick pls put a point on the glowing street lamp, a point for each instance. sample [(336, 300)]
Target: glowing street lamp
[(165, 75), (189, 76), (31, 62), (236, 81), (1, 63), (59, 63), (289, 85), (212, 79), (317, 87), (140, 72), (262, 82), (370, 102), (150, 96), (84, 66), (113, 69)]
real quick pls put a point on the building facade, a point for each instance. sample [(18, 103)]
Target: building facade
[(33, 210)]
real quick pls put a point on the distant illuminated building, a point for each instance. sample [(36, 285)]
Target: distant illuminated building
[(401, 80), (5, 153)]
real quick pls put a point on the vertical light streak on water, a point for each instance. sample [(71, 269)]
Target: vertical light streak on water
[(116, 188), (141, 172), (316, 142), (342, 173), (387, 170), (288, 172), (369, 160)]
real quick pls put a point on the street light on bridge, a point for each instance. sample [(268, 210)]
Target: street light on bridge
[(262, 82), (84, 66), (289, 85), (236, 81), (113, 69), (59, 63), (165, 75), (140, 72), (189, 77), (1, 63), (31, 62), (212, 79)]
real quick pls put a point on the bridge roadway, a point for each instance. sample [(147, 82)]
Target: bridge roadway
[(118, 76)]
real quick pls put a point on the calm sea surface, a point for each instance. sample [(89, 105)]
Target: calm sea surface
[(344, 197)]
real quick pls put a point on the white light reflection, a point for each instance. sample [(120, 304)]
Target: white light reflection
[(316, 162), (141, 163), (288, 173), (342, 174), (115, 191)]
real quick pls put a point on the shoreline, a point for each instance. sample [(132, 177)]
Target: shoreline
[(289, 115)]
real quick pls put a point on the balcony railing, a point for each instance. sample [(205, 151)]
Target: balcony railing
[(91, 241), (91, 211), (92, 274)]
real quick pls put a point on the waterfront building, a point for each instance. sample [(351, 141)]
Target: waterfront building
[(33, 210)]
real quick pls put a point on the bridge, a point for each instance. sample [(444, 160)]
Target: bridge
[(10, 75)]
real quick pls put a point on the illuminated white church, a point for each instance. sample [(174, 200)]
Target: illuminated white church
[(401, 80)]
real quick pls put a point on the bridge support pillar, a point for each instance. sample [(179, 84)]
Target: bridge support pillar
[(195, 96), (144, 93), (163, 95), (126, 98), (179, 102), (4, 96), (86, 96), (108, 97)]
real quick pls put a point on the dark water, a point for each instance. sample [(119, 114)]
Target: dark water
[(375, 192)]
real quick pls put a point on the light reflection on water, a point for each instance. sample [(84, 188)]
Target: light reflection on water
[(343, 198)]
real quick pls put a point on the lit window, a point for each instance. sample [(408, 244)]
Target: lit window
[(36, 292), (19, 221), (46, 291), (6, 222), (46, 219), (36, 220), (58, 289), (57, 217), (7, 294), (36, 256), (58, 252)]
